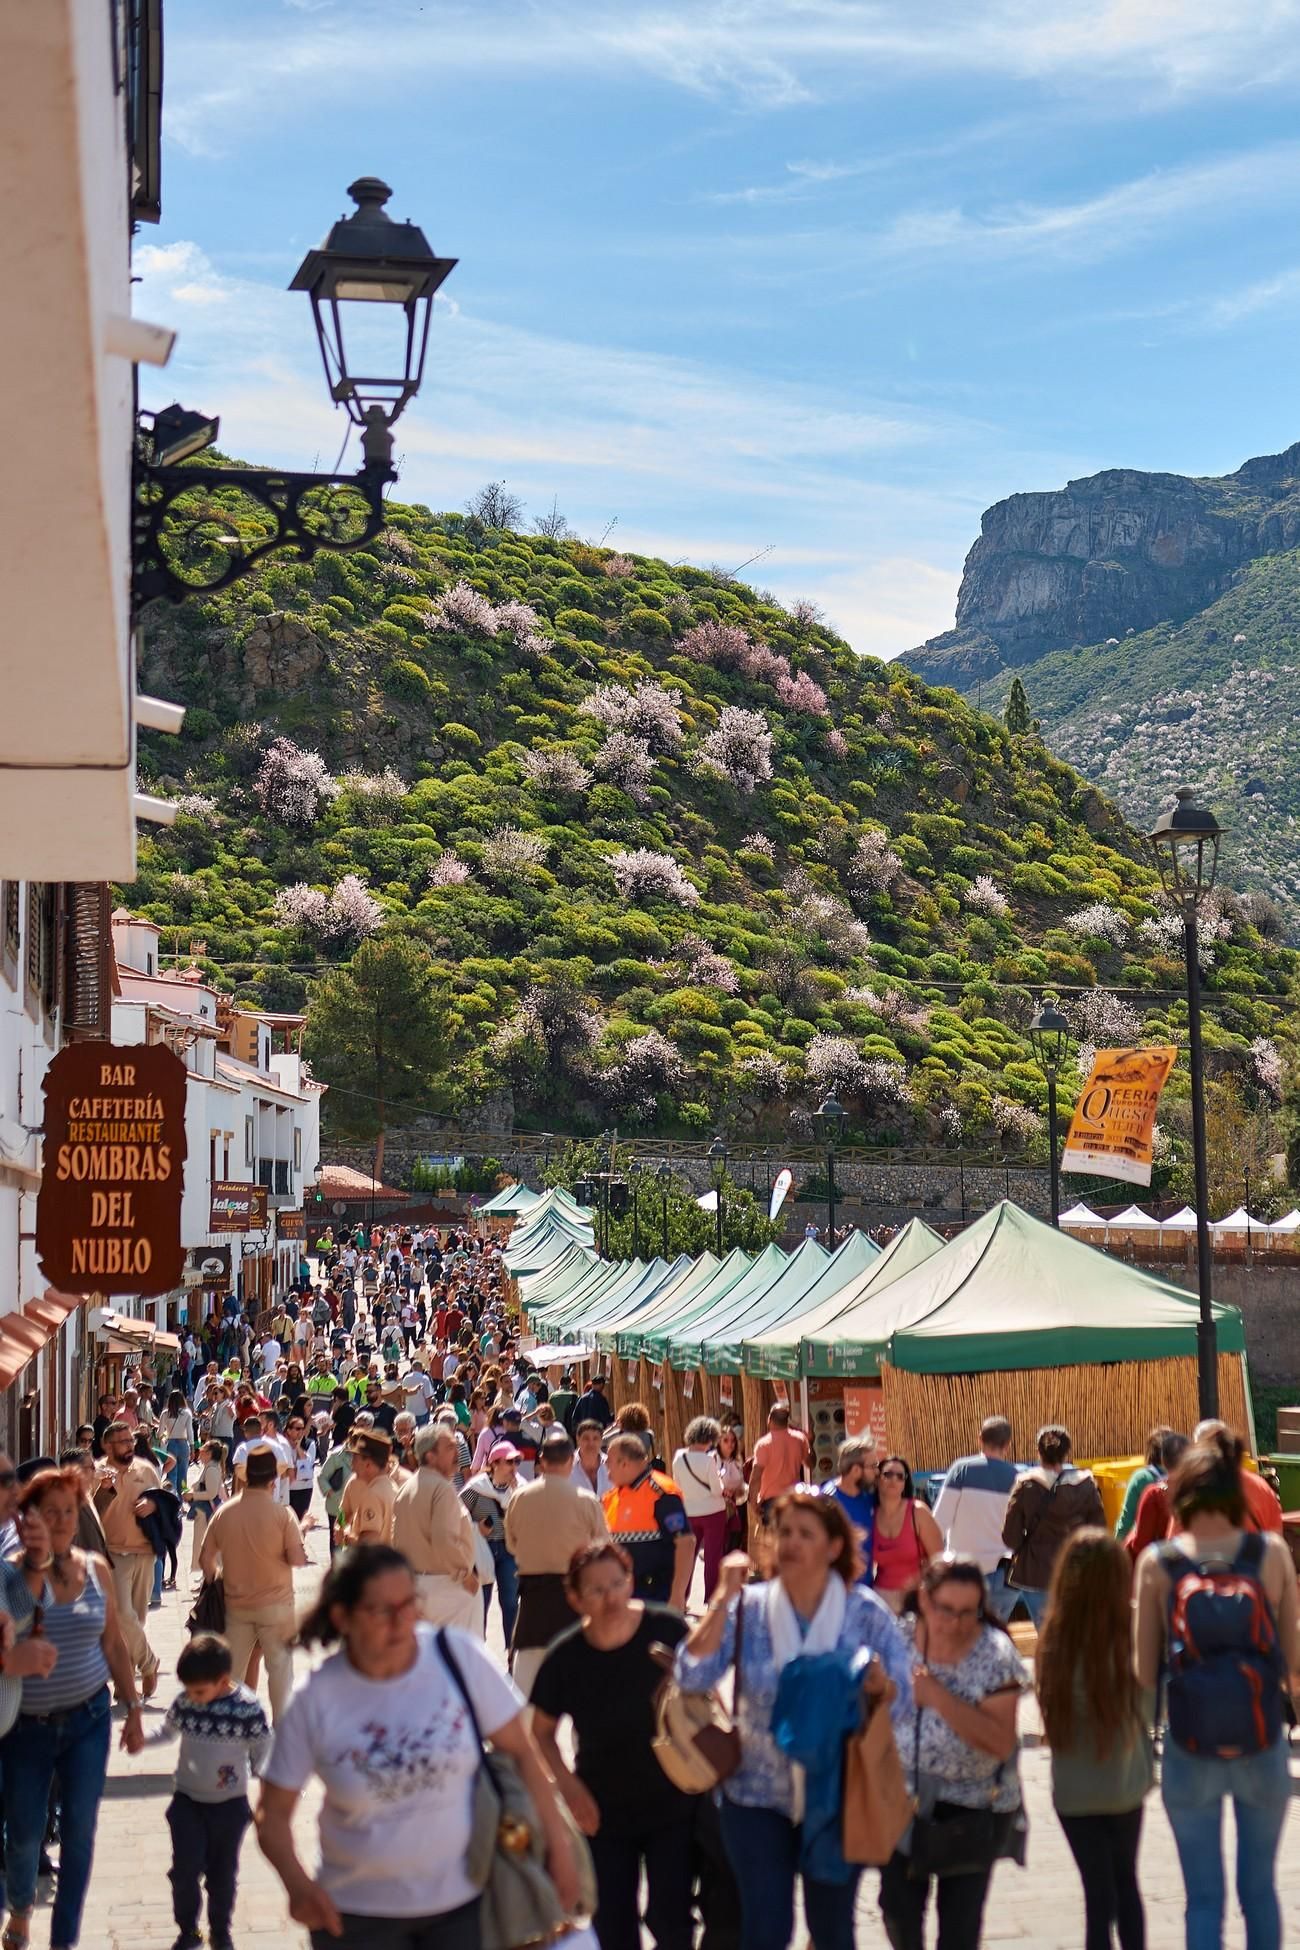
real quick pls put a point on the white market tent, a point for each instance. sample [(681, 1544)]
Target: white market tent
[(1081, 1217), (1132, 1219), (1180, 1221), (1289, 1223), (1238, 1221)]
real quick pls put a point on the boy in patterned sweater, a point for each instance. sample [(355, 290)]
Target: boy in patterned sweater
[(224, 1736)]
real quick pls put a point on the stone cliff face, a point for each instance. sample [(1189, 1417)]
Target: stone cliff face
[(1117, 551)]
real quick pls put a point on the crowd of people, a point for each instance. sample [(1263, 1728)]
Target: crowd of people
[(386, 1405)]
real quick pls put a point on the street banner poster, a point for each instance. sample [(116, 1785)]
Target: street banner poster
[(209, 1266), (864, 1413), (1114, 1120), (726, 1392), (708, 1201), (781, 1392), (688, 1383), (631, 1374), (780, 1191), (236, 1207), (108, 1214)]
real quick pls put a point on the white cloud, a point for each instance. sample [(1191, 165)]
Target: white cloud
[(768, 54), (735, 460)]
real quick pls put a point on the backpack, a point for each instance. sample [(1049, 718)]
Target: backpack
[(1223, 1663)]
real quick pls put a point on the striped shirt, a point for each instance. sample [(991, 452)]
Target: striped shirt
[(76, 1631)]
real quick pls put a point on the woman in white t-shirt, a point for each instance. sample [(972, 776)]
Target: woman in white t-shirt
[(696, 1474), (383, 1723)]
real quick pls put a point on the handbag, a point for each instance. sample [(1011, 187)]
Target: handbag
[(875, 1802), (506, 1857), (696, 1741), (208, 1612)]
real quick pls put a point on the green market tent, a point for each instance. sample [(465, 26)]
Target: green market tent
[(850, 1343), (778, 1351), (721, 1336), (509, 1203), (673, 1314), (676, 1292), (683, 1347), (659, 1276), (784, 1299), (615, 1284), (545, 1289), (1011, 1292), (540, 1241), (547, 1293)]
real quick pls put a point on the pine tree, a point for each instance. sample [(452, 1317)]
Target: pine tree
[(377, 1035), (1016, 715)]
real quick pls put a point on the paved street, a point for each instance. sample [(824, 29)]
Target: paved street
[(130, 1909)]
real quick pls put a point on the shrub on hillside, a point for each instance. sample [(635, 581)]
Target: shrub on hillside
[(645, 875), (739, 748), (292, 784)]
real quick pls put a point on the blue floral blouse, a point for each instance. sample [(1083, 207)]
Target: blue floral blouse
[(763, 1778)]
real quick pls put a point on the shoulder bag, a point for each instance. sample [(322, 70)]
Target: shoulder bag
[(696, 1741), (507, 1848), (208, 1612), (876, 1806)]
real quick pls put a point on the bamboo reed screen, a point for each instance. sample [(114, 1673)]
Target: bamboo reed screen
[(1108, 1409)]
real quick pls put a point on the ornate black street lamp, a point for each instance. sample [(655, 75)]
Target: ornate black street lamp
[(828, 1121), (1049, 1033), (717, 1155), (664, 1175), (1185, 841), (198, 529)]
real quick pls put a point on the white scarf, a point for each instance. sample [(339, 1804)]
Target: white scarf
[(823, 1635)]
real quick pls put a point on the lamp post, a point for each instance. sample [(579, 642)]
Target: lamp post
[(548, 1138), (1049, 1033), (198, 529), (602, 1172), (718, 1159), (634, 1174), (664, 1175), (1185, 841), (828, 1122)]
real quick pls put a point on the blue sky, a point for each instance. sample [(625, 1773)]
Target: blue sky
[(820, 276)]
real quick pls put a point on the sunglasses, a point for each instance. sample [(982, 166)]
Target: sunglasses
[(892, 1476)]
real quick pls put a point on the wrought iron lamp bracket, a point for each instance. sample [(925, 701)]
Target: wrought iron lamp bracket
[(198, 529)]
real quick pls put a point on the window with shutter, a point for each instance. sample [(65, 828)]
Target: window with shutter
[(33, 942), (88, 983), (10, 929)]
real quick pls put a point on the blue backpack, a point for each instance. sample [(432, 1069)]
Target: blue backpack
[(1224, 1666)]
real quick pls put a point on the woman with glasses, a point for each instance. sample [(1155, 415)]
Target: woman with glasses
[(904, 1535), (302, 1453), (391, 1724), (958, 1748)]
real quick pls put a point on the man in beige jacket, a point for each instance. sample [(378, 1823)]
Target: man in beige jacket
[(433, 1531), (546, 1522)]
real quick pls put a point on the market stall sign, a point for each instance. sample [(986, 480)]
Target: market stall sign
[(1111, 1131), (237, 1207), (108, 1215)]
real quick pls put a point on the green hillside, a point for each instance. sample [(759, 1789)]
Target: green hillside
[(678, 856), (1215, 701)]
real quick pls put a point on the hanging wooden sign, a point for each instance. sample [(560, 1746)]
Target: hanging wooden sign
[(108, 1215)]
